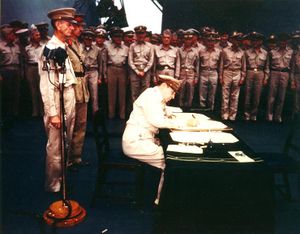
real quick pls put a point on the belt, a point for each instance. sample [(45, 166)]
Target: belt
[(281, 69), (208, 69), (116, 65), (79, 74), (164, 67), (232, 69), (91, 68), (254, 69)]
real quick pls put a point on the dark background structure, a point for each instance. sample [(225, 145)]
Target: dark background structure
[(268, 16)]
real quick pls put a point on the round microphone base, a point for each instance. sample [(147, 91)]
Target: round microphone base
[(64, 214)]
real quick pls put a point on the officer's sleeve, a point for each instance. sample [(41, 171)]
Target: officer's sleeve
[(244, 67), (130, 59), (177, 65), (221, 66), (267, 68), (151, 59)]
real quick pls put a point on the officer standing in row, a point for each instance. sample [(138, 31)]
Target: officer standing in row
[(140, 59), (75, 52), (257, 60), (189, 70), (232, 75), (10, 72), (92, 60), (166, 58), (117, 54), (209, 71), (33, 51), (62, 21), (280, 66)]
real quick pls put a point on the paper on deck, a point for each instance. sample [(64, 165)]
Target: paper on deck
[(240, 156), (203, 137), (191, 149)]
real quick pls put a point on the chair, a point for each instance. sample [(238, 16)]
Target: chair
[(286, 162), (111, 160)]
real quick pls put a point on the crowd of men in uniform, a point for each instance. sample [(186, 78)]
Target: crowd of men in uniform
[(129, 62)]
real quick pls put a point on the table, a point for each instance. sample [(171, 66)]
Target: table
[(215, 193)]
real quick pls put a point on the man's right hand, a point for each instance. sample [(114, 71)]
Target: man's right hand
[(55, 121)]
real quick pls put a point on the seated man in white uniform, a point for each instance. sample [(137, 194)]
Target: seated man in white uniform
[(148, 115)]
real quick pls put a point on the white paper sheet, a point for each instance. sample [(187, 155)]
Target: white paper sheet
[(240, 156), (191, 149), (174, 109), (203, 137)]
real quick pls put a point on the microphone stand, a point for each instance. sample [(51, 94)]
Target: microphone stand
[(65, 212)]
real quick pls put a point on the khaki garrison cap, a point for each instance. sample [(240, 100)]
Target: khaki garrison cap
[(140, 29)]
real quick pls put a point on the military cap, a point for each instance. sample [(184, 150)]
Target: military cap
[(195, 31), (255, 36), (180, 33), (188, 34), (170, 81), (296, 35), (88, 34), (129, 33), (283, 37), (236, 35), (212, 36), (101, 26), (116, 31), (42, 25), (67, 14), (272, 38), (100, 32), (18, 24), (140, 29), (22, 31)]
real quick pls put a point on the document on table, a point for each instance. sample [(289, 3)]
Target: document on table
[(240, 156), (174, 109), (191, 149), (203, 137)]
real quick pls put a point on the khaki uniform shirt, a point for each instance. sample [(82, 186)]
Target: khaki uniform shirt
[(9, 54), (33, 53), (258, 60), (167, 57), (141, 56), (281, 59), (189, 59), (81, 87), (209, 60), (103, 62), (233, 60), (116, 55), (92, 58)]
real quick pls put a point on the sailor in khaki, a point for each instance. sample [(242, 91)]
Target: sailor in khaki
[(92, 60), (33, 51), (166, 60), (75, 52), (257, 60), (62, 21), (140, 60), (295, 73), (280, 66), (232, 75), (117, 54), (209, 58), (101, 37), (189, 70)]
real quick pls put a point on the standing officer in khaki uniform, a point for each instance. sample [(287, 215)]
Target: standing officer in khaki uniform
[(92, 61), (75, 52), (117, 54), (33, 52), (232, 75), (140, 59), (166, 60), (209, 71), (61, 20), (189, 70), (257, 60), (10, 72), (280, 66)]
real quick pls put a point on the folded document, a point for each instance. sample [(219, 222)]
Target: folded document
[(191, 149)]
